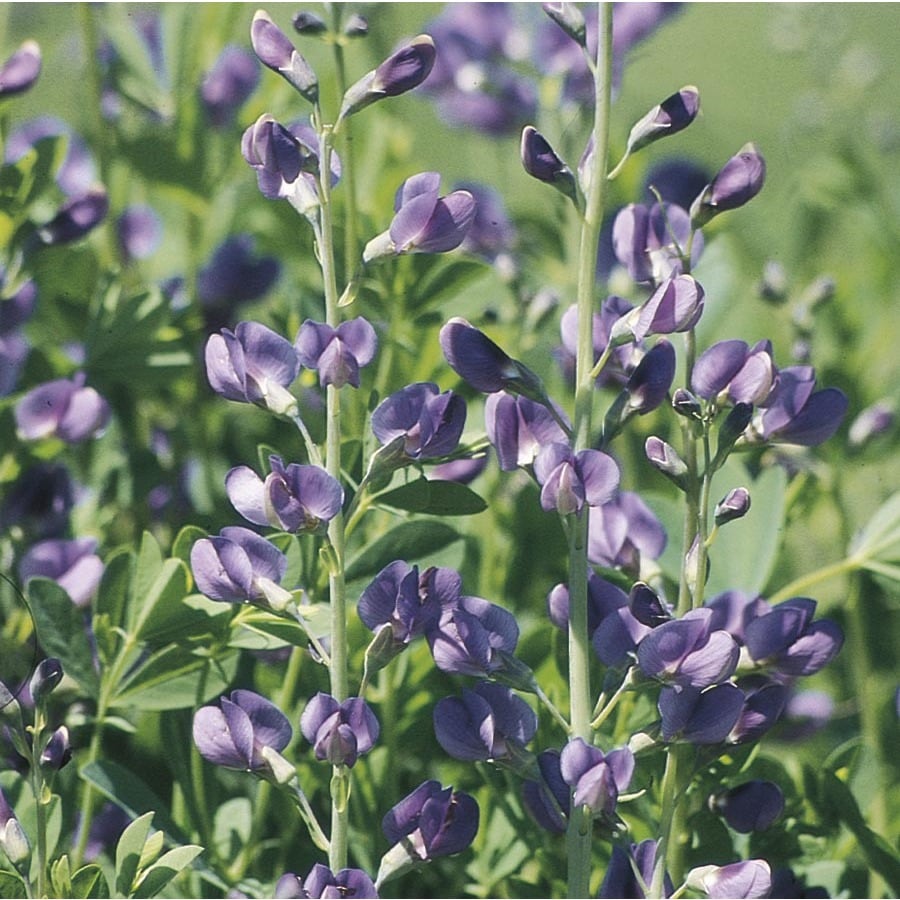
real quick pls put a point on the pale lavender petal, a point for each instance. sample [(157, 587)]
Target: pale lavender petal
[(213, 739), (246, 492), (319, 709), (599, 474), (716, 366), (271, 727), (240, 730), (312, 339), (265, 558), (360, 338)]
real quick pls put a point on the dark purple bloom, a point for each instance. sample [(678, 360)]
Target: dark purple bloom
[(700, 717), (402, 71), (623, 531), (276, 51), (736, 183), (13, 352), (674, 114), (518, 428), (410, 603), (39, 500), (620, 879), (432, 821), (57, 751), (472, 636), (46, 677), (734, 505), (596, 777), (687, 652), (569, 481), (76, 217), (139, 232), (236, 733), (62, 408), (674, 306), (295, 497), (548, 800), (72, 564), (649, 383), (650, 240), (786, 639), (740, 880), (430, 422), (734, 372), (424, 222), (253, 364), (239, 566), (540, 161), (77, 173), (647, 606), (336, 353), (339, 732), (751, 806), (732, 610), (489, 722), (21, 70), (616, 638), (228, 85), (475, 357), (604, 598), (764, 700), (322, 882)]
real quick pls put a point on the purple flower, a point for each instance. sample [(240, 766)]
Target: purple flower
[(751, 806), (764, 700), (665, 457), (322, 882), (674, 114), (405, 69), (518, 428), (16, 309), (13, 352), (472, 636), (339, 732), (337, 353), (236, 733), (624, 531), (604, 598), (239, 566), (687, 652), (548, 799), (77, 172), (736, 183), (253, 364), (752, 878), (540, 161), (596, 777), (228, 85), (39, 500), (430, 422), (432, 821), (276, 51), (569, 480), (871, 422), (616, 638), (700, 716), (21, 70), (620, 879), (76, 217), (649, 383), (491, 234), (489, 722), (424, 222), (57, 751), (649, 240), (674, 306), (734, 372), (786, 639), (294, 498), (463, 471), (139, 232), (734, 505), (72, 564), (62, 408)]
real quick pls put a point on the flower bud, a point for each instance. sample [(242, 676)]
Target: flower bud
[(540, 161), (686, 404), (872, 421), (674, 114), (76, 218), (734, 505), (356, 26), (21, 70), (665, 458), (46, 677), (308, 23), (274, 50), (569, 17), (57, 752), (737, 182), (752, 806), (13, 840)]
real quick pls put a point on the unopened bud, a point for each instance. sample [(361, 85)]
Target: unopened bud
[(674, 114), (540, 161), (356, 26), (308, 23), (275, 50), (569, 17), (774, 283), (686, 404), (46, 677), (734, 505), (58, 751), (872, 421), (646, 606), (664, 457), (737, 182)]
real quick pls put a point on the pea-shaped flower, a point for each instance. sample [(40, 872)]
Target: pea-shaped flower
[(239, 566), (518, 428), (72, 564), (596, 777), (21, 70), (64, 408), (339, 732), (630, 871), (322, 882), (337, 353), (700, 716), (430, 422), (238, 731), (253, 364), (675, 306), (735, 372), (424, 222), (736, 183), (624, 531), (570, 481), (751, 806), (275, 50), (737, 881), (295, 497)]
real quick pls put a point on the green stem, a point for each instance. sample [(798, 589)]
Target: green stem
[(798, 586), (37, 786), (578, 837), (669, 849)]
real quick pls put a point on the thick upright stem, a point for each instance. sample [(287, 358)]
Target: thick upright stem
[(579, 831)]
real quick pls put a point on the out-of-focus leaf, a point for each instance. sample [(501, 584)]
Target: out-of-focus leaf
[(407, 540), (442, 278), (62, 631), (877, 545), (434, 497), (11, 885)]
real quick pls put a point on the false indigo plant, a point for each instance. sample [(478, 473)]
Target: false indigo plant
[(468, 554)]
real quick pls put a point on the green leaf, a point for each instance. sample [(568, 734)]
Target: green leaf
[(163, 614), (11, 886), (165, 869), (128, 852), (62, 632), (232, 826), (435, 497), (172, 678), (147, 569), (115, 586), (89, 883), (260, 630), (184, 542), (879, 539), (408, 541), (61, 876), (443, 279)]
